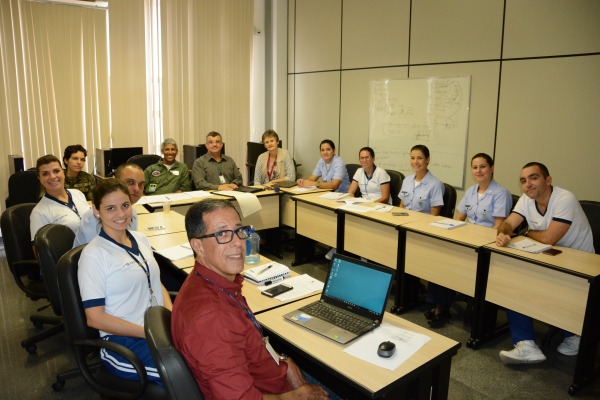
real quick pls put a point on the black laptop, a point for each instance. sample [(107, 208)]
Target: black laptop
[(352, 302)]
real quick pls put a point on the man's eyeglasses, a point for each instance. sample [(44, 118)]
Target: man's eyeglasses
[(226, 236)]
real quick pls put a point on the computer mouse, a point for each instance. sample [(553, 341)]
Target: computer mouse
[(386, 349)]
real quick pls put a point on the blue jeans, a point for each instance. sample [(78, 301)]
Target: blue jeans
[(521, 327)]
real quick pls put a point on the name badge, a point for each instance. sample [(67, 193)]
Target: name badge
[(271, 350), (175, 172), (152, 187), (222, 179)]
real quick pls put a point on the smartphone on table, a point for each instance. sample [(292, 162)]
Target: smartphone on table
[(552, 252), (277, 290)]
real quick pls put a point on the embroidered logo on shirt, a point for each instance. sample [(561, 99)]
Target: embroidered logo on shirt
[(155, 173)]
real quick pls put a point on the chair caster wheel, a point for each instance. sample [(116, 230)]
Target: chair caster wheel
[(31, 349), (58, 385)]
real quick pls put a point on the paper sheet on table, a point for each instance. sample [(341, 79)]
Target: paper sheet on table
[(303, 189), (249, 203), (177, 196), (354, 200), (356, 208), (407, 343), (178, 252), (383, 208), (333, 195), (303, 285), (198, 193), (156, 199)]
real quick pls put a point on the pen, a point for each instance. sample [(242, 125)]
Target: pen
[(379, 208), (528, 246), (264, 269)]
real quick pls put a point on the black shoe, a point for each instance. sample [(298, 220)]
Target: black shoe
[(438, 320), (429, 314)]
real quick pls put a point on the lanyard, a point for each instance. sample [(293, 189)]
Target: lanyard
[(245, 309), (368, 180), (70, 203), (270, 173), (135, 248)]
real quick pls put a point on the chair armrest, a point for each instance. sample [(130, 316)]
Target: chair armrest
[(81, 356)]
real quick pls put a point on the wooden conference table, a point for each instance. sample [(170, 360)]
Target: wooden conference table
[(425, 374), (562, 290), (428, 371)]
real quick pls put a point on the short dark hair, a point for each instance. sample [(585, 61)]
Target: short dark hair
[(329, 142), (107, 186), (422, 148), (370, 150), (121, 167), (195, 225), (487, 158), (43, 160), (269, 133), (542, 167), (213, 134), (74, 148)]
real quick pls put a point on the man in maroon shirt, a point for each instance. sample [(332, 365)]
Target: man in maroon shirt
[(214, 328)]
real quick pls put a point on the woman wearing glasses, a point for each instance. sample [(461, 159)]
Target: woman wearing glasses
[(119, 279), (373, 182), (330, 168)]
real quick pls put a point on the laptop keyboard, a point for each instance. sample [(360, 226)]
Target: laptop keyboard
[(344, 320)]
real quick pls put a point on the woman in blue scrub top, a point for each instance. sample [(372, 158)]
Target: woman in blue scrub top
[(421, 191), (487, 204), (331, 169)]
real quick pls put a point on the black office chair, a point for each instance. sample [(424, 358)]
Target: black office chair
[(175, 374), (395, 185), (23, 187), (25, 268), (523, 224), (143, 160), (351, 168), (592, 212), (84, 340), (449, 201)]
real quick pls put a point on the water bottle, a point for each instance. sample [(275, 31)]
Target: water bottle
[(252, 248)]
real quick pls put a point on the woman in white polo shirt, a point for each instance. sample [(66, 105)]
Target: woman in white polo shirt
[(119, 279), (373, 182)]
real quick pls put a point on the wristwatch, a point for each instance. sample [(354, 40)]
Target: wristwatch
[(318, 184), (283, 357), (524, 231)]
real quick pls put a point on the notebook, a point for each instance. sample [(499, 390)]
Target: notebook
[(529, 245), (267, 273), (248, 189), (352, 302), (285, 184)]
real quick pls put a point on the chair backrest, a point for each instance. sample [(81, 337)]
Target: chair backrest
[(17, 244), (515, 198), (175, 374), (351, 168), (523, 224), (83, 339), (23, 187), (592, 212), (51, 243), (143, 160), (449, 201), (395, 185)]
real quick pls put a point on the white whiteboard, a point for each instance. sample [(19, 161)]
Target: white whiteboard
[(429, 111)]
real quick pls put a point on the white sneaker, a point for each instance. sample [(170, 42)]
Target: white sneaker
[(525, 352), (330, 253), (569, 346)]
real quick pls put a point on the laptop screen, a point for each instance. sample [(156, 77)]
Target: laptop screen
[(358, 283)]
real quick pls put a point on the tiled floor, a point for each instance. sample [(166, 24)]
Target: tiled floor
[(474, 375)]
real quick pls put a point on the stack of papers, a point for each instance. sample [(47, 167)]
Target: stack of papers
[(529, 245), (333, 195), (448, 223)]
